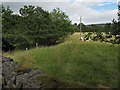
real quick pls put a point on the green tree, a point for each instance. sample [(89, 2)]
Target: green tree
[(43, 27), (61, 25), (6, 19), (34, 25), (6, 25)]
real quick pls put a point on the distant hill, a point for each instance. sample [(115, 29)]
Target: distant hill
[(101, 24)]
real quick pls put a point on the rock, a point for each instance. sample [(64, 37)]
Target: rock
[(14, 64), (0, 81), (5, 86), (11, 84), (12, 74), (6, 72), (33, 73), (0, 69), (31, 83), (4, 59), (30, 80), (15, 76), (28, 69), (20, 80)]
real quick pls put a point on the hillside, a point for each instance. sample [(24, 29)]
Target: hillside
[(93, 63)]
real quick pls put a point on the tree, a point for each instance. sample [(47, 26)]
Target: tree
[(118, 27), (60, 24), (43, 27), (34, 25), (75, 24), (37, 23), (6, 25), (119, 11), (6, 19)]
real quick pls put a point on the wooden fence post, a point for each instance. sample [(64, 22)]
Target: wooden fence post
[(68, 49), (58, 56)]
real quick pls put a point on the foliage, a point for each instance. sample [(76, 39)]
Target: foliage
[(6, 45), (34, 25)]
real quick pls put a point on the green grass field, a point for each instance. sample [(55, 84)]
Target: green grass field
[(90, 62)]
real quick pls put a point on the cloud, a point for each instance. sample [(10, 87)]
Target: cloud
[(59, 0), (95, 0), (102, 4), (35, 0), (89, 15), (102, 17), (73, 10)]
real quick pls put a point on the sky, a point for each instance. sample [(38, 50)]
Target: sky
[(91, 11)]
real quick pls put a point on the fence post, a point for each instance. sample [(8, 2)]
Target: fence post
[(58, 56), (68, 49), (36, 45)]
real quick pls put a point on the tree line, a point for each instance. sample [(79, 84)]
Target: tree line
[(32, 26), (106, 27)]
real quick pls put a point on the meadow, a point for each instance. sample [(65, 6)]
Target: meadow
[(89, 62)]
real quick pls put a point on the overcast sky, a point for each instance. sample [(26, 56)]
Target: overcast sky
[(92, 11)]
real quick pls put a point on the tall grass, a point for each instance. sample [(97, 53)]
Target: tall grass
[(93, 63)]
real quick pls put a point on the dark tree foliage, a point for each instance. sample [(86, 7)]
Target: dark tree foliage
[(37, 23), (6, 28), (118, 30), (60, 23), (34, 25), (6, 19)]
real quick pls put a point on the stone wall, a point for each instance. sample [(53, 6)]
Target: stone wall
[(15, 76), (0, 73)]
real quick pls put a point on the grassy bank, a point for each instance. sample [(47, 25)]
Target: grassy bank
[(89, 62)]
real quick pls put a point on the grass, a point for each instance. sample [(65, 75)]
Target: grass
[(53, 82), (93, 63)]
